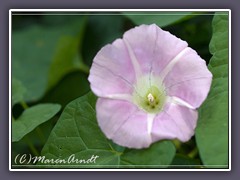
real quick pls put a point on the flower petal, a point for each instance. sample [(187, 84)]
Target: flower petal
[(189, 79), (175, 121), (153, 47), (123, 122), (112, 70)]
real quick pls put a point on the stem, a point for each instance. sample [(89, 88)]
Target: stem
[(32, 147), (24, 105), (193, 153), (177, 144), (84, 68)]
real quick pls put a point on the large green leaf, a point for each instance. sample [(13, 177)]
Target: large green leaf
[(33, 50), (160, 18), (31, 118), (212, 130), (77, 133)]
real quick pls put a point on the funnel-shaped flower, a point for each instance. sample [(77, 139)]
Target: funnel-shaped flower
[(149, 85)]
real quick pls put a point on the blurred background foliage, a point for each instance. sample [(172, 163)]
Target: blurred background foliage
[(52, 55)]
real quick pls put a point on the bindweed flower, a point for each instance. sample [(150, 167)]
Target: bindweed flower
[(149, 85)]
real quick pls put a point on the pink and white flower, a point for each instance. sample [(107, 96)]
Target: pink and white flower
[(149, 85)]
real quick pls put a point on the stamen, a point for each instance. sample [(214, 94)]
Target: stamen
[(150, 98)]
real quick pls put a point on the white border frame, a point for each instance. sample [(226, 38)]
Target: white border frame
[(118, 10)]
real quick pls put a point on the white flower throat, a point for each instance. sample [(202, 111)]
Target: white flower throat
[(149, 96)]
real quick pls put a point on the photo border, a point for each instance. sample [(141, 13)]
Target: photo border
[(120, 10)]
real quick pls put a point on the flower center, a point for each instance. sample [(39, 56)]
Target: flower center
[(149, 98)]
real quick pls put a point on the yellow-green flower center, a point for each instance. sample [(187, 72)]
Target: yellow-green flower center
[(149, 97)]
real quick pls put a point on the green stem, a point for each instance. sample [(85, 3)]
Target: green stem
[(24, 104), (177, 144), (84, 68), (32, 147), (193, 153)]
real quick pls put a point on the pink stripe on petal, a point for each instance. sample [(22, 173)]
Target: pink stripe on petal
[(123, 122), (189, 79), (175, 121)]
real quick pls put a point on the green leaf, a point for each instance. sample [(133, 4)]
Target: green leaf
[(160, 18), (33, 50), (18, 91), (31, 118), (78, 134), (67, 57), (212, 130)]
